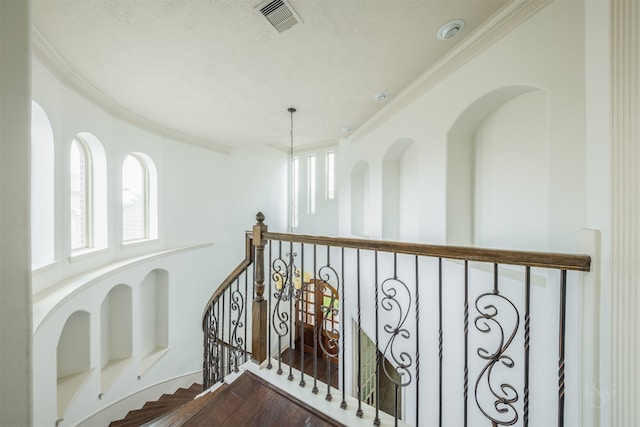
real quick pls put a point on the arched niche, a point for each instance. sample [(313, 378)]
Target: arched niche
[(497, 171), (360, 198), (115, 334), (154, 317), (42, 188), (399, 191), (72, 358)]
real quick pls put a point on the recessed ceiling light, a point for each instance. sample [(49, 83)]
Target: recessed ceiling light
[(380, 96), (450, 29)]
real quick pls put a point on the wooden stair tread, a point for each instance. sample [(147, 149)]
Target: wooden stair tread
[(158, 408)]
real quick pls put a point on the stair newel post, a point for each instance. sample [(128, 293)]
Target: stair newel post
[(259, 318)]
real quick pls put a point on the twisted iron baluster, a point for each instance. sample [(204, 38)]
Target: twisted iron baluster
[(527, 333), (466, 340), (417, 345), (562, 323), (269, 364), (343, 404), (302, 301), (376, 420)]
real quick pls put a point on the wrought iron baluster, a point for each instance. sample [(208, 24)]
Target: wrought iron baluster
[(326, 313), (222, 367), (503, 411), (229, 346), (315, 324), (563, 312), (284, 273), (343, 404), (291, 315), (466, 341), (440, 341), (269, 364), (376, 420), (302, 315), (359, 411), (236, 342), (527, 334), (397, 301), (417, 344), (246, 294)]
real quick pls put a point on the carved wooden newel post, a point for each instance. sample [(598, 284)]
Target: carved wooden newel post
[(259, 325)]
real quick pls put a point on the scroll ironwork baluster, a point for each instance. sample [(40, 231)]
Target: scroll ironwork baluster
[(396, 301), (506, 395), (327, 281), (284, 272)]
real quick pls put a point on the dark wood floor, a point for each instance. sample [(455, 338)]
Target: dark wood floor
[(251, 401), (292, 358)]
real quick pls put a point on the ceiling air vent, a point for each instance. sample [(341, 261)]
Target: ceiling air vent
[(280, 14)]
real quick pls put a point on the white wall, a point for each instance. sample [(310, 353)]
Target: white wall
[(15, 259), (528, 165), (204, 208)]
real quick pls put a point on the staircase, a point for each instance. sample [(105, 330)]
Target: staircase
[(160, 408), (247, 400)]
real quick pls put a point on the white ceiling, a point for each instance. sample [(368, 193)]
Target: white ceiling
[(217, 73)]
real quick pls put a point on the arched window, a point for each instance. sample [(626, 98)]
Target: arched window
[(139, 205), (81, 185), (88, 194)]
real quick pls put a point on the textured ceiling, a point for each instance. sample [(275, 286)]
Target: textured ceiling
[(217, 70)]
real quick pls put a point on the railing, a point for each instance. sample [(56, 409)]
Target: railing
[(446, 325), (224, 322)]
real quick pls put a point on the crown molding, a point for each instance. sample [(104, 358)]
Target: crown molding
[(55, 63), (306, 147), (496, 27)]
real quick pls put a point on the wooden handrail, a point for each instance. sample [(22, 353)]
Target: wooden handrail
[(498, 256), (246, 262)]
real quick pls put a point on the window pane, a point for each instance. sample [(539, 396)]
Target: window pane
[(133, 200), (330, 174), (311, 184), (295, 182), (79, 175)]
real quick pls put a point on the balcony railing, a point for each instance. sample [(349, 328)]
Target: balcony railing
[(428, 334)]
